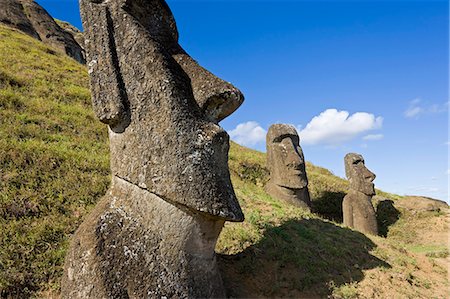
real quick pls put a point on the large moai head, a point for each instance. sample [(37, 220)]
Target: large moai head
[(162, 108), (359, 176), (285, 158)]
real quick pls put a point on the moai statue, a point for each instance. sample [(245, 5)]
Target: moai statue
[(153, 234), (286, 163), (357, 205)]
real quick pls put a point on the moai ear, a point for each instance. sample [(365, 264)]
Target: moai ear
[(107, 88)]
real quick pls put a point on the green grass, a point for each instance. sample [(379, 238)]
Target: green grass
[(346, 291), (54, 162), (435, 251), (54, 166)]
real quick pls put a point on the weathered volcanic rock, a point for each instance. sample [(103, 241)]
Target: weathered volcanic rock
[(12, 13), (136, 245), (72, 30), (358, 211), (153, 235), (32, 19), (286, 163)]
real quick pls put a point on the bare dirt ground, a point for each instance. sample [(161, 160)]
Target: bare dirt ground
[(422, 234)]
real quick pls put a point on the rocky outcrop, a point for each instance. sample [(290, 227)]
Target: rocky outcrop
[(286, 163), (72, 30), (358, 211), (30, 18), (153, 235)]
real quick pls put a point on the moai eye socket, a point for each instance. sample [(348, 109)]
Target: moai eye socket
[(358, 161)]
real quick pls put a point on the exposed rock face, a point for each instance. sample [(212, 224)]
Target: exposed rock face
[(357, 207), (13, 15), (32, 19), (153, 235), (286, 163), (72, 30)]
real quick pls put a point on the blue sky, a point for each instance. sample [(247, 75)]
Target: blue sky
[(353, 76)]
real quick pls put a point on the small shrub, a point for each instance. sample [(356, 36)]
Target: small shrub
[(346, 291)]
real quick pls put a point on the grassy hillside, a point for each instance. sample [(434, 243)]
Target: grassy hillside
[(54, 161), (54, 166)]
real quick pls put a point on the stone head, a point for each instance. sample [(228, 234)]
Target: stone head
[(285, 158), (216, 97), (162, 108), (359, 176)]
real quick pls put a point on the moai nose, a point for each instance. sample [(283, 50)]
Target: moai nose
[(216, 97), (369, 175), (215, 133), (293, 158)]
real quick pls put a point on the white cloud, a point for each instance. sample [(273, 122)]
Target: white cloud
[(413, 111), (248, 134), (373, 137), (333, 127), (417, 107)]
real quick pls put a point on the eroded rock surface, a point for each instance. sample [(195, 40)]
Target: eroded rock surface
[(136, 245), (72, 30), (30, 18), (153, 235), (358, 211), (286, 163)]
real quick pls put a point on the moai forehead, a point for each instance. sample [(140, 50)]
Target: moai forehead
[(163, 132), (351, 161), (278, 132)]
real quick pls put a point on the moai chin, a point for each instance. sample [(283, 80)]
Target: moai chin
[(286, 163), (357, 206), (153, 234)]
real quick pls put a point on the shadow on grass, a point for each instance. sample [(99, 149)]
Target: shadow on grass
[(299, 259), (329, 205), (387, 215)]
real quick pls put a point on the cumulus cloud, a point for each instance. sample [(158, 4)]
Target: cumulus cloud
[(333, 127), (417, 107), (373, 137), (248, 134)]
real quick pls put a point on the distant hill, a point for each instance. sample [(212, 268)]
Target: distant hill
[(54, 166), (32, 19)]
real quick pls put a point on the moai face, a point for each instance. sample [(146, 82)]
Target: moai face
[(285, 157), (359, 176), (162, 108)]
